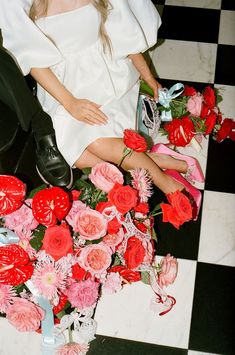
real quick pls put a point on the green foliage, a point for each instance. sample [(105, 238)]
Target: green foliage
[(36, 241), (33, 192), (145, 277)]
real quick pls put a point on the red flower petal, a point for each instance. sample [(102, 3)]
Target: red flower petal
[(12, 193), (15, 265), (50, 205)]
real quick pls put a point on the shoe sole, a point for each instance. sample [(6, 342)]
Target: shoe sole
[(48, 183)]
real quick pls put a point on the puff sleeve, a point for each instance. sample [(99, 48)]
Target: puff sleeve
[(132, 26), (23, 39)]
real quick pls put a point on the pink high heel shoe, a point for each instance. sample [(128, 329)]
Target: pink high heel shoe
[(195, 195), (194, 171)]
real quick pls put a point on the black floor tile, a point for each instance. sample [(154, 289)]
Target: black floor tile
[(183, 23), (220, 174), (103, 345), (182, 243), (158, 2), (212, 327), (225, 70), (228, 5)]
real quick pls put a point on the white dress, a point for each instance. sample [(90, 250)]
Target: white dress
[(69, 44)]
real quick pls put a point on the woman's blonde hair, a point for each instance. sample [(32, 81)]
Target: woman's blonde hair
[(39, 9)]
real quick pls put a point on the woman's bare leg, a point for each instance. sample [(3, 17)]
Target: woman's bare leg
[(111, 149), (87, 160)]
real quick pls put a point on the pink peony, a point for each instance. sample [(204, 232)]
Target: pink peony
[(95, 258), (90, 224), (76, 207), (22, 219), (113, 283), (72, 349), (104, 175), (25, 316), (83, 294), (194, 104), (168, 273)]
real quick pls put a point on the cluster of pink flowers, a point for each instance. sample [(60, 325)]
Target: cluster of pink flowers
[(73, 246)]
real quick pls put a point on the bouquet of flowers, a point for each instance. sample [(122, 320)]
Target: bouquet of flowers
[(191, 115), (61, 250)]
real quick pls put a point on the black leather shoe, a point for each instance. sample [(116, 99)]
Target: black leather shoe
[(51, 166)]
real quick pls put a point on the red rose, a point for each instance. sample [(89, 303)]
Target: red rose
[(127, 274), (209, 97), (135, 253), (189, 91), (123, 197), (113, 226), (102, 205), (210, 122), (179, 211), (49, 205), (57, 242), (142, 208), (135, 141), (226, 130), (180, 131)]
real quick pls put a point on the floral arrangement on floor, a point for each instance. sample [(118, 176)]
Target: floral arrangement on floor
[(191, 115), (61, 250)]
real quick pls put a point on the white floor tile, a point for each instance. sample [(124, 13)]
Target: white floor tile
[(207, 4), (227, 27), (127, 314), (217, 238), (191, 352), (227, 106), (185, 60)]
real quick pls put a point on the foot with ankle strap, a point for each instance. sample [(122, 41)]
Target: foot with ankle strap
[(50, 164), (194, 171)]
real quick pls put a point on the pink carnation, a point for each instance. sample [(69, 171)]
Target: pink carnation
[(76, 207), (90, 224), (72, 349), (22, 219), (104, 175), (7, 295), (95, 258), (83, 294), (25, 316), (194, 104), (168, 273), (113, 283)]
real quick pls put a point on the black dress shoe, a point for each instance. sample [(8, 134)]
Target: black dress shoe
[(9, 127), (51, 166)]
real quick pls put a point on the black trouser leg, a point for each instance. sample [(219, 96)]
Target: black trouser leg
[(15, 93)]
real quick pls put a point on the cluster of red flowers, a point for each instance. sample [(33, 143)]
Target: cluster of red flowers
[(196, 113)]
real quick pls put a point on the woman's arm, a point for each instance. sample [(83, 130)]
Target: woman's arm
[(145, 73), (81, 109)]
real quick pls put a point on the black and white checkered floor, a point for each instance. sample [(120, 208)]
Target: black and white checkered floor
[(197, 47)]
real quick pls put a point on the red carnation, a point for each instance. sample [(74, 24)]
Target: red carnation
[(189, 91), (210, 122), (226, 130), (209, 97)]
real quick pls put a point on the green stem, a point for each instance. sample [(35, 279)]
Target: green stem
[(156, 214), (126, 152), (70, 335)]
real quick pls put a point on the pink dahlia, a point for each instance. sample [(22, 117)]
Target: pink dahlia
[(72, 349)]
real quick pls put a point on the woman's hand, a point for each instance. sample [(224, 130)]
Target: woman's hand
[(86, 111), (153, 84)]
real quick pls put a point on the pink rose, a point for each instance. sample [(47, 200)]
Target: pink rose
[(104, 175), (95, 258), (169, 268), (83, 294), (90, 224), (25, 316), (22, 219), (194, 105), (76, 207)]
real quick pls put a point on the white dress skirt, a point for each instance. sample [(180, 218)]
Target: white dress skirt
[(69, 44)]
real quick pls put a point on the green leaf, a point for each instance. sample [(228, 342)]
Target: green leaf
[(117, 261), (154, 234), (145, 89), (145, 277), (36, 241)]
